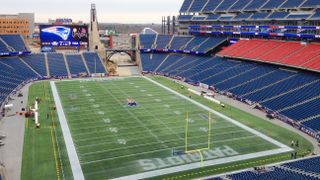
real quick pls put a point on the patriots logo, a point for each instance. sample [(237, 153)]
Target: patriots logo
[(60, 31)]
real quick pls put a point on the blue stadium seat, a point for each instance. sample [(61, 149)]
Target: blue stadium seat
[(308, 165), (199, 18), (294, 97), (196, 41), (179, 41), (147, 40), (316, 15), (282, 87), (169, 61), (21, 68), (259, 15), (226, 17), (198, 5), (292, 4), (213, 17), (14, 41), (225, 5), (303, 111), (211, 5), (272, 4), (243, 16), (57, 66), (151, 61), (301, 170), (37, 62), (94, 62), (239, 5), (76, 64), (185, 17), (299, 16), (278, 15), (186, 5), (255, 5), (313, 124), (310, 4), (210, 44), (163, 41), (3, 47)]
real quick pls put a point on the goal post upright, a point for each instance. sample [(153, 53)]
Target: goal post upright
[(209, 135), (186, 133), (209, 130)]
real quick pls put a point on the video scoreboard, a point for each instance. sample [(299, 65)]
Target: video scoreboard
[(64, 35)]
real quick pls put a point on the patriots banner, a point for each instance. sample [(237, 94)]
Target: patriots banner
[(64, 35)]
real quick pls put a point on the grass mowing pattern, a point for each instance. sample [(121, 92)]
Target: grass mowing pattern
[(39, 160), (276, 132), (110, 136)]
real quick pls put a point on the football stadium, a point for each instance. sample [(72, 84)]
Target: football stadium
[(229, 89)]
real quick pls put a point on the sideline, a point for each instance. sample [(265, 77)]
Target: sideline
[(72, 153)]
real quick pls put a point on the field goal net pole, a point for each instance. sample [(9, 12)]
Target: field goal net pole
[(201, 149)]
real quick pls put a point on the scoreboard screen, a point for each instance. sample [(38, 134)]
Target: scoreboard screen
[(64, 35)]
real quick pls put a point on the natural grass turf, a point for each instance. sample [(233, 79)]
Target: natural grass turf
[(40, 145), (39, 163), (276, 132), (111, 137)]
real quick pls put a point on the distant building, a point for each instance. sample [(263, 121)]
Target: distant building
[(22, 23)]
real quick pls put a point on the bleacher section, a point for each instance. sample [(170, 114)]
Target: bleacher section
[(18, 69), (57, 66), (307, 169), (227, 6), (280, 52), (13, 72), (147, 41), (76, 64), (13, 43), (94, 63), (37, 62), (175, 43), (286, 92)]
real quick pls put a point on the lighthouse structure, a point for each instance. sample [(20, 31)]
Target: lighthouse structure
[(94, 39)]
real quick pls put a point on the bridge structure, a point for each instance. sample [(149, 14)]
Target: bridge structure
[(129, 51)]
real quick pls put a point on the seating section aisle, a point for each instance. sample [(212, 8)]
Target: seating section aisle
[(280, 52), (94, 63), (18, 69), (76, 64), (285, 91), (15, 43), (37, 62), (13, 72), (307, 169), (57, 66)]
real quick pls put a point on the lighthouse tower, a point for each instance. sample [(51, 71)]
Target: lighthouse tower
[(95, 43)]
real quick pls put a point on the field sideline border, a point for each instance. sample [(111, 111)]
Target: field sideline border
[(75, 165), (282, 148), (71, 150)]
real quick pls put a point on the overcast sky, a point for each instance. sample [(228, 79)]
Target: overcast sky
[(121, 11)]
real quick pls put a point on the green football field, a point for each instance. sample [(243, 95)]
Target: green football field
[(115, 140)]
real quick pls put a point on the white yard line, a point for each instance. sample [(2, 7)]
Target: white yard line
[(71, 150), (259, 134), (282, 148), (146, 144), (158, 150), (137, 119)]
